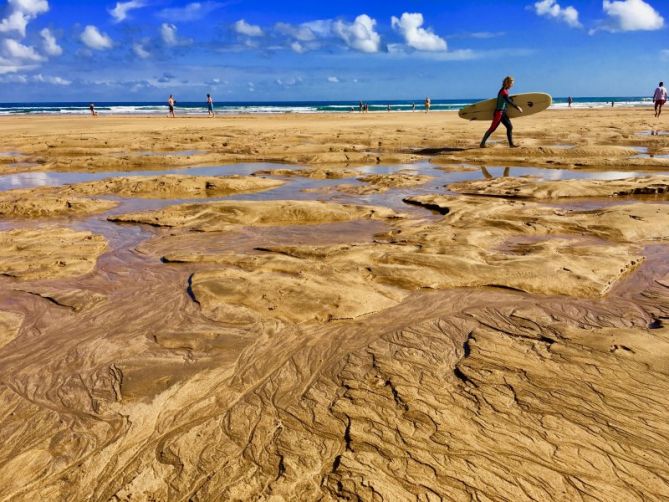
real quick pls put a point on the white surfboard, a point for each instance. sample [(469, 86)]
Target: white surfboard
[(531, 103)]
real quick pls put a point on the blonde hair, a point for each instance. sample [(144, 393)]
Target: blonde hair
[(507, 81)]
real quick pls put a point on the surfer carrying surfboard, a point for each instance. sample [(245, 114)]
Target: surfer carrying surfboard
[(500, 116)]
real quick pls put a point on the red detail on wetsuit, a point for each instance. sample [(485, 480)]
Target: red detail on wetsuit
[(496, 119)]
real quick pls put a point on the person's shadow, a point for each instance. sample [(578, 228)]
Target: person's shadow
[(438, 151)]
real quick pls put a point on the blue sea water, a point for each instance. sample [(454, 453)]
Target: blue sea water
[(260, 107)]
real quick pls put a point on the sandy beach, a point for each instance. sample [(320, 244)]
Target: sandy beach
[(334, 306)]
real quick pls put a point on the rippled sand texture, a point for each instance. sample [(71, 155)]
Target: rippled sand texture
[(500, 339)]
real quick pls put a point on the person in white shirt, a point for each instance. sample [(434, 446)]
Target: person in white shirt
[(659, 98)]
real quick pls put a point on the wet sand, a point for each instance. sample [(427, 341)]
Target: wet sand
[(388, 315)]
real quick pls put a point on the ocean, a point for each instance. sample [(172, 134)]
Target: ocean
[(260, 107)]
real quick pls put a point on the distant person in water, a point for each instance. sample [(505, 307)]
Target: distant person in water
[(210, 106), (360, 106), (428, 103), (170, 103), (659, 98), (570, 100), (91, 107), (388, 107), (500, 116)]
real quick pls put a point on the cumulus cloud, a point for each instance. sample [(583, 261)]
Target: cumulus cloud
[(17, 51), (410, 27), (95, 39), (120, 12), (49, 43), (190, 12), (140, 51), (631, 15), (333, 80), (552, 9), (359, 35), (20, 13), (250, 30)]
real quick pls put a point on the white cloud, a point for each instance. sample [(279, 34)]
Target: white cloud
[(333, 80), (410, 26), (191, 12), (95, 39), (301, 33), (17, 51), (631, 15), (168, 32), (297, 47), (30, 7), (140, 51), (552, 9), (21, 12), (50, 80), (250, 30), (49, 43), (359, 35), (120, 12)]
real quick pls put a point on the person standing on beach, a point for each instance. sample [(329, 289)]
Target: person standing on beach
[(91, 107), (413, 107), (570, 100), (500, 116), (659, 98), (171, 102), (210, 106), (428, 103)]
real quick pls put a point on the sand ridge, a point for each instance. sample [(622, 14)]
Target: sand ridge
[(48, 252), (514, 187), (175, 186), (216, 216)]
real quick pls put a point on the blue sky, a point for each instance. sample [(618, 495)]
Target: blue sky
[(139, 50)]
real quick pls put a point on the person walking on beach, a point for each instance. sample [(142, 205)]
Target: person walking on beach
[(171, 102), (210, 106), (413, 107), (500, 116), (428, 103), (570, 100), (91, 107), (659, 98)]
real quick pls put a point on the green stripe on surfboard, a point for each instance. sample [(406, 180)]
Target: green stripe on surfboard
[(531, 103)]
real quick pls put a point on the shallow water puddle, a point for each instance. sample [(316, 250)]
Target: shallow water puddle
[(651, 156), (653, 132), (304, 188)]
